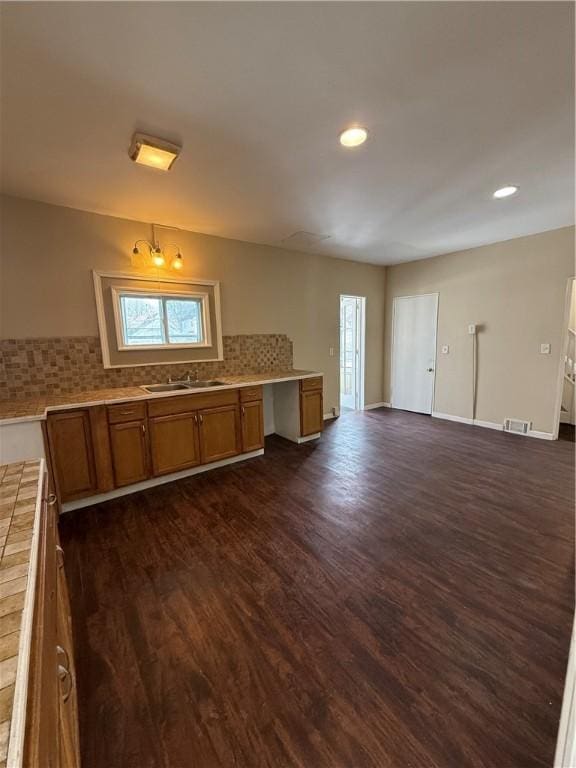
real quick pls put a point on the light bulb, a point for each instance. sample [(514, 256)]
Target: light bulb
[(178, 262), (158, 258)]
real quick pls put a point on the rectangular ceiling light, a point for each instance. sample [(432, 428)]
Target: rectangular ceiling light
[(153, 152)]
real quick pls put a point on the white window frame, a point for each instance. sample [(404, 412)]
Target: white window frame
[(126, 290), (171, 282)]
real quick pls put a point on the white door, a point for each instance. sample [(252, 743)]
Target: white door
[(414, 352), (352, 315)]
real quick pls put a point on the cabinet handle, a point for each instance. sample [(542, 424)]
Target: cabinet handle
[(196, 418), (63, 652), (201, 419), (51, 500), (243, 411), (126, 413), (143, 428), (60, 553), (65, 676)]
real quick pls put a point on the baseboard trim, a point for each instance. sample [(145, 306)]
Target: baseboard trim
[(452, 417), (541, 435), (490, 425), (370, 406), (307, 438), (88, 501)]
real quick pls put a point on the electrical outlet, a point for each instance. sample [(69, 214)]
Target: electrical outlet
[(445, 349), (472, 329), (544, 349)]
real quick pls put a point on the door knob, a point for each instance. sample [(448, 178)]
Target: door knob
[(429, 370)]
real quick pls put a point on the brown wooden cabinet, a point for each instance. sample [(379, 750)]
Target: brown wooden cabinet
[(174, 442), (94, 450), (252, 418), (41, 742), (71, 450), (67, 700), (129, 446), (311, 406), (219, 433), (51, 737)]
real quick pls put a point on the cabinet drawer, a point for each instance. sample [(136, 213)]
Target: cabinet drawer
[(309, 385), (126, 412), (166, 406), (249, 394)]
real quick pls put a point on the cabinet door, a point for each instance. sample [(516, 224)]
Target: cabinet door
[(71, 454), (252, 416), (311, 413), (129, 446), (68, 701), (219, 433), (41, 743), (174, 443)]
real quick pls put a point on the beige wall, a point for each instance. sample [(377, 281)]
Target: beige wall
[(516, 291), (47, 254), (572, 320)]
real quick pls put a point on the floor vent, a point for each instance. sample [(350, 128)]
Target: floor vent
[(517, 426)]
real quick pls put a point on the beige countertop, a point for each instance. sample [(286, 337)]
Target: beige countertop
[(20, 487), (14, 411)]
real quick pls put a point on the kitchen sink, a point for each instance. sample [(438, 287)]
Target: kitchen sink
[(164, 387), (179, 386), (202, 384)]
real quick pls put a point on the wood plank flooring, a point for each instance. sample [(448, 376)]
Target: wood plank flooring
[(398, 594)]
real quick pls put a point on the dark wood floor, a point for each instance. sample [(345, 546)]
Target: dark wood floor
[(400, 594)]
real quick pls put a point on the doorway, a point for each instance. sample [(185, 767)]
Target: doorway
[(414, 325), (565, 417), (352, 333)]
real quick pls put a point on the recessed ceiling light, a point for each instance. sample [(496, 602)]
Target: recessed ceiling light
[(155, 153), (353, 137), (505, 191)]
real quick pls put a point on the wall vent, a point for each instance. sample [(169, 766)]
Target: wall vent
[(517, 426)]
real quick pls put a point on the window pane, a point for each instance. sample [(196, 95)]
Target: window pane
[(184, 320), (142, 320)]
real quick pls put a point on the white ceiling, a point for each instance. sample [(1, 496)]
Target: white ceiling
[(459, 98)]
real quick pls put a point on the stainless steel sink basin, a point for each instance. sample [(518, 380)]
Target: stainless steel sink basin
[(164, 387), (203, 384), (179, 386)]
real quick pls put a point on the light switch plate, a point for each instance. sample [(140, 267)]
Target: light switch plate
[(331, 351), (544, 349), (445, 349)]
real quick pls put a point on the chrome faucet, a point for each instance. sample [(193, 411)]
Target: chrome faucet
[(189, 376)]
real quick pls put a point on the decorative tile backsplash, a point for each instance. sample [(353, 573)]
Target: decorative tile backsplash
[(62, 365)]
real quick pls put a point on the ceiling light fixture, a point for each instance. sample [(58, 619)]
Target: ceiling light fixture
[(505, 191), (353, 137), (153, 152)]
